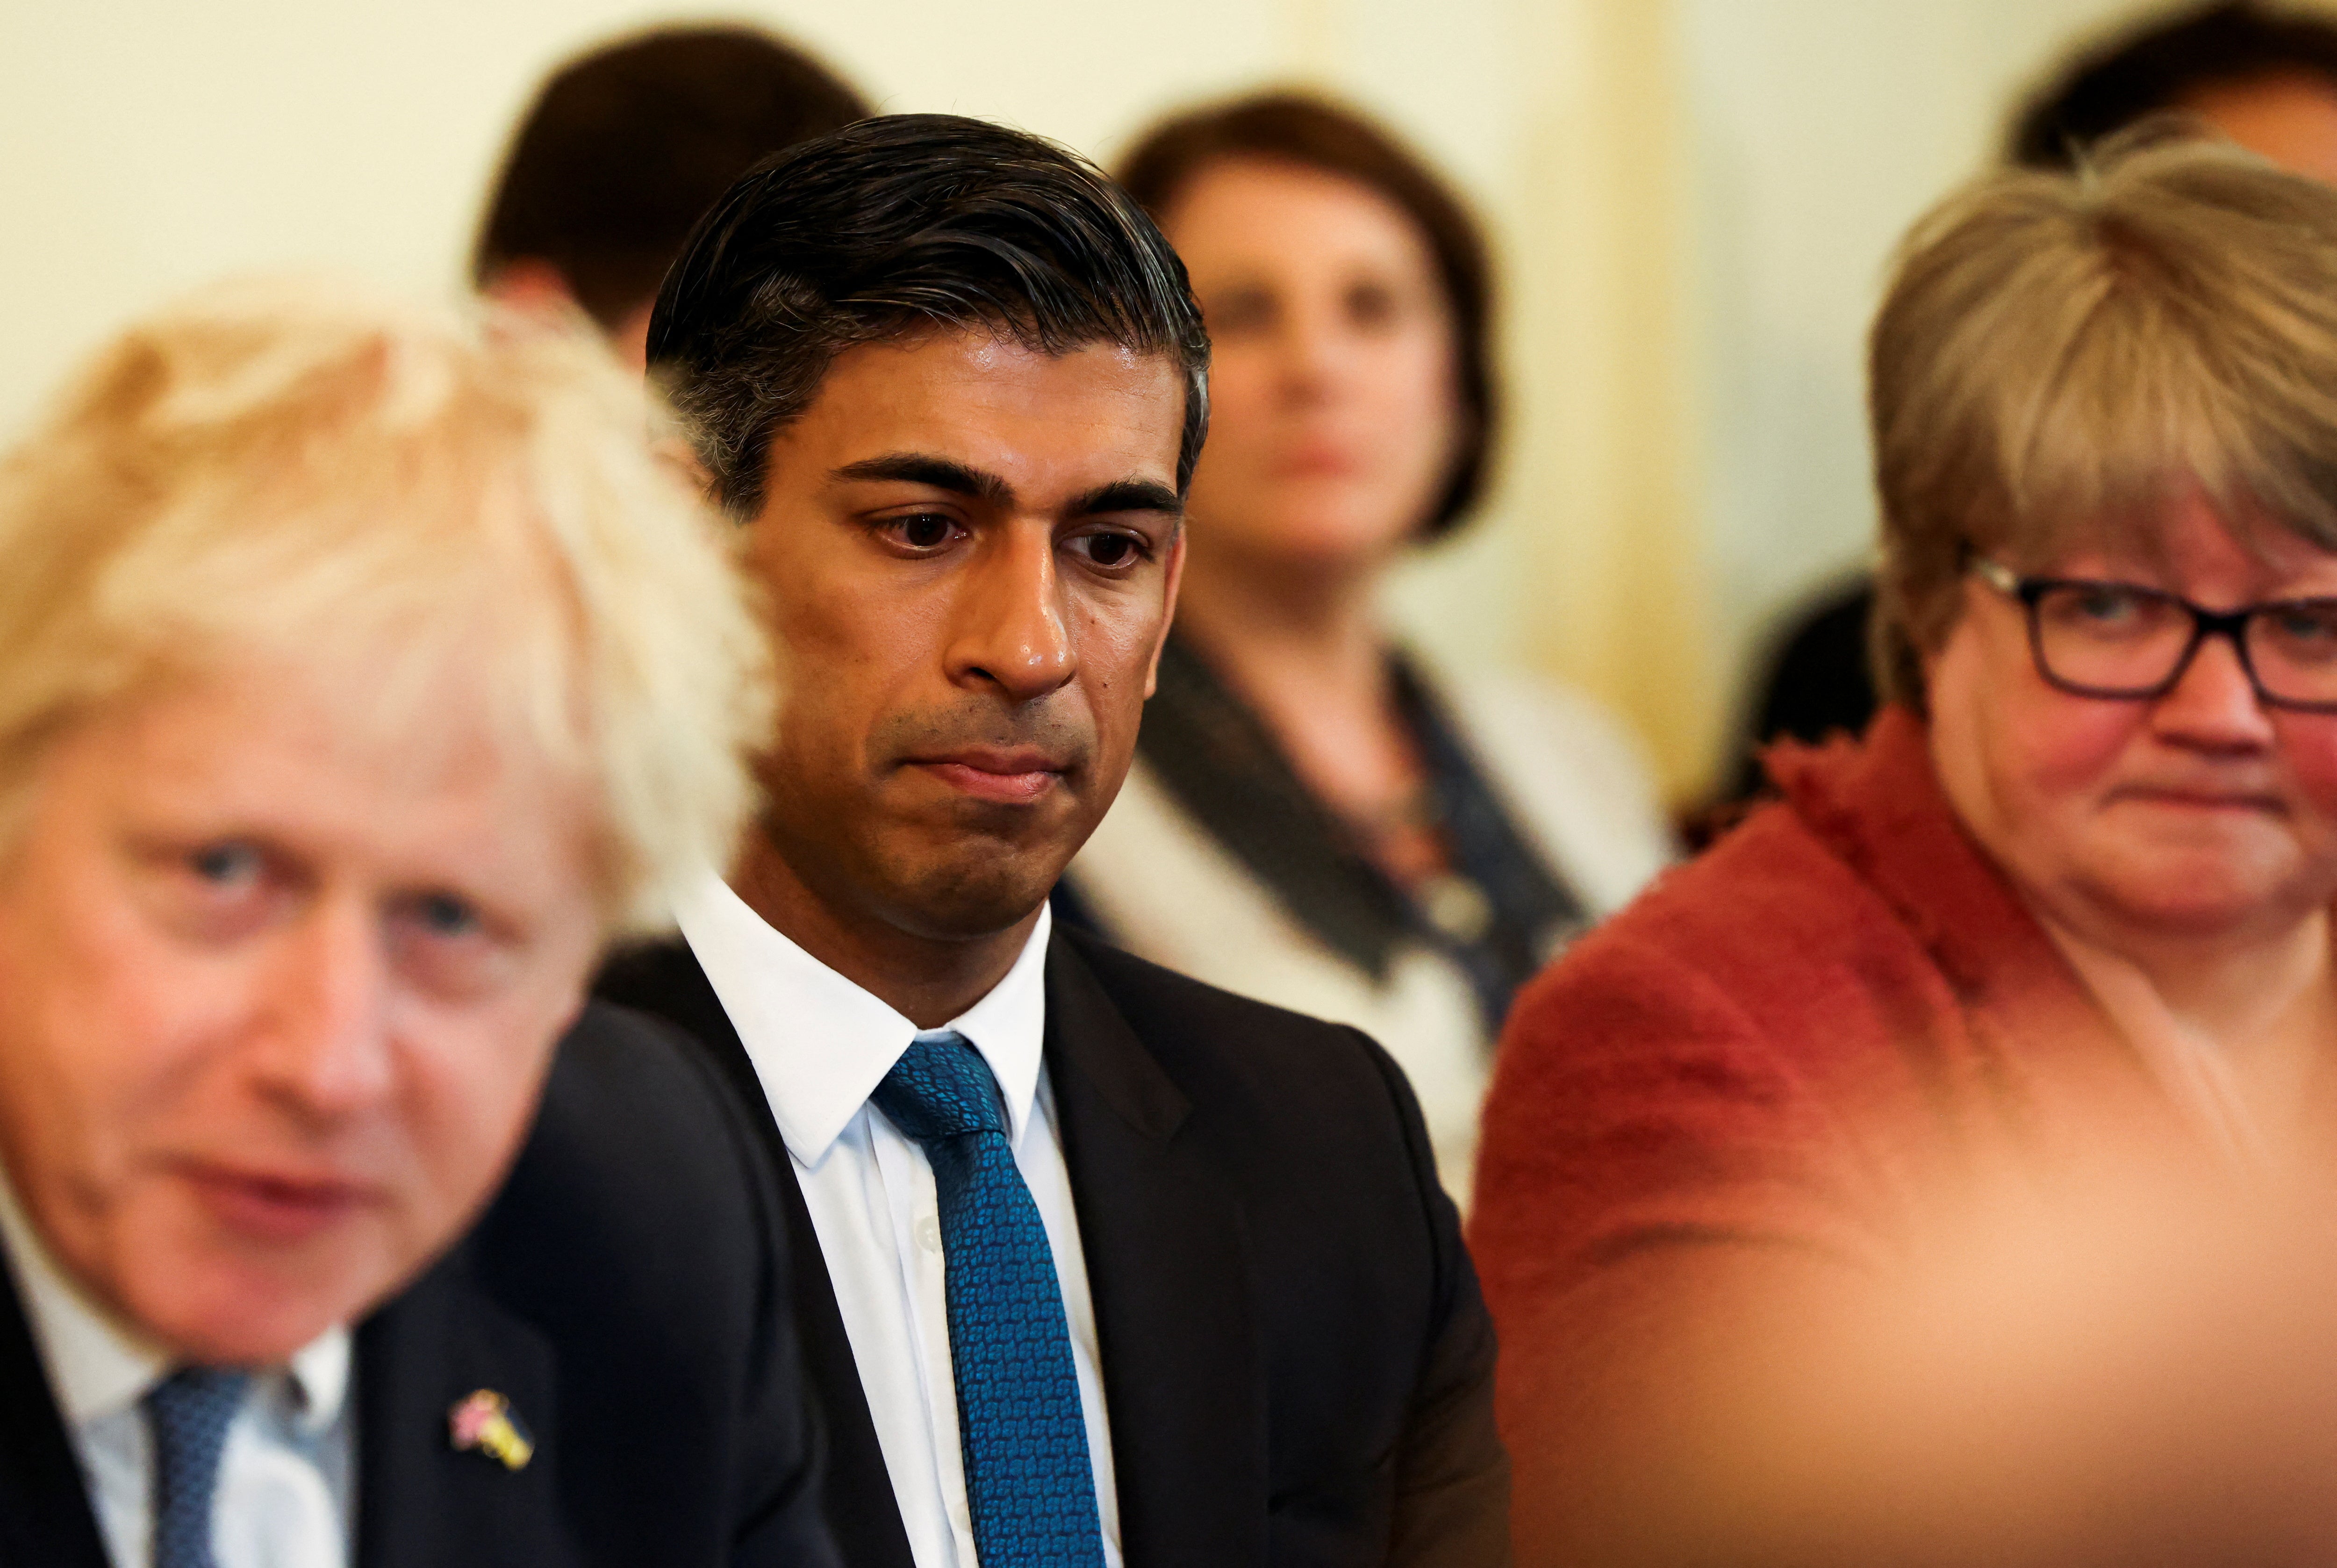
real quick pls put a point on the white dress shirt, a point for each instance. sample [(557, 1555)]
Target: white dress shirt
[(820, 1045), (283, 1494)]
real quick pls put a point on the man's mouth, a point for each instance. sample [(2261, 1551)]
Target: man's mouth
[(274, 1206), (1014, 775)]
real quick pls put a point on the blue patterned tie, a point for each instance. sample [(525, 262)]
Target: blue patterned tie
[(1027, 1471), (189, 1413)]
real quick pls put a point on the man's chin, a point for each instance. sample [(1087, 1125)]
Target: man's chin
[(229, 1311), (970, 903), (952, 882)]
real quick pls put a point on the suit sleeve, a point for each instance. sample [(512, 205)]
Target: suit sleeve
[(1452, 1498)]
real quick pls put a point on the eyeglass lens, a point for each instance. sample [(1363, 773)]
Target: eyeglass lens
[(2121, 641)]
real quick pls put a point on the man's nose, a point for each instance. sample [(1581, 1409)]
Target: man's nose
[(2214, 704), (325, 1050), (1010, 630)]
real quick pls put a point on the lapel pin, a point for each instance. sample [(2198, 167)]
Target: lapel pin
[(484, 1422)]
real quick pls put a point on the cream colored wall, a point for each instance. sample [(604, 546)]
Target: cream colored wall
[(1819, 130), (1694, 200)]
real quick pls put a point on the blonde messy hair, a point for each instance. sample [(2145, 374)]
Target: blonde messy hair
[(440, 517), (2059, 354)]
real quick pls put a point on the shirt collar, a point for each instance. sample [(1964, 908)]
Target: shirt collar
[(319, 1377), (821, 1044), (96, 1363), (99, 1366)]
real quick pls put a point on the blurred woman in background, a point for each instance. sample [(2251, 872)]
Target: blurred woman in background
[(1314, 817)]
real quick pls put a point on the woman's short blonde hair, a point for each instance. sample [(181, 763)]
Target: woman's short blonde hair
[(2058, 355), (452, 521)]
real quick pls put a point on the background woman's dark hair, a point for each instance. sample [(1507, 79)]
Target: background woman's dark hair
[(2159, 64), (1298, 128), (892, 227)]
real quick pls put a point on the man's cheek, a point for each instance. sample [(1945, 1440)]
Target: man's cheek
[(813, 740), (465, 1120)]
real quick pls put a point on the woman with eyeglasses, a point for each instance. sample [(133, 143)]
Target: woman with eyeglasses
[(2076, 877)]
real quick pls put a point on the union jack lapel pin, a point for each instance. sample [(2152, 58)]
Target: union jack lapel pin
[(486, 1422)]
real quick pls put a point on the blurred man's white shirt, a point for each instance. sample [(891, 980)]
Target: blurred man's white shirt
[(283, 1495)]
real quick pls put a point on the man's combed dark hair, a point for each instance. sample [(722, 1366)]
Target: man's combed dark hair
[(895, 226), (2159, 66), (627, 145), (1300, 128)]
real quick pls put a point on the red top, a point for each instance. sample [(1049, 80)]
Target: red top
[(1756, 1059)]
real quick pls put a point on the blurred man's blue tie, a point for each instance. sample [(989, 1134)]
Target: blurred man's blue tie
[(189, 1413), (1028, 1475)]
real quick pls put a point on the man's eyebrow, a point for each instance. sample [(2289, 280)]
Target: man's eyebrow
[(1127, 495), (938, 473)]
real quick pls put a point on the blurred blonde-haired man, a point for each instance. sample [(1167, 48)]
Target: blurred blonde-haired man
[(361, 675)]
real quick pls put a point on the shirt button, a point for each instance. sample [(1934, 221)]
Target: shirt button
[(929, 1233)]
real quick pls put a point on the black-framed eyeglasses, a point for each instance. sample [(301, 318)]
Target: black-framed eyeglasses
[(2128, 642)]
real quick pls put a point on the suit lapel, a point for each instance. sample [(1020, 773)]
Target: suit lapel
[(666, 980), (421, 1503), (45, 1511), (1169, 1273)]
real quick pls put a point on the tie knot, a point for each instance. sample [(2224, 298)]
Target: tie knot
[(940, 1088), (194, 1406)]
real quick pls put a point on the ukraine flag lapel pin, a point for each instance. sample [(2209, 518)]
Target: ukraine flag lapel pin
[(485, 1421)]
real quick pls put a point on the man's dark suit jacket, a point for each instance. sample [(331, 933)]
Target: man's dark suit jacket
[(1296, 1361), (625, 1291)]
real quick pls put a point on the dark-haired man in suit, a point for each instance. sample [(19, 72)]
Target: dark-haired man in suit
[(1120, 1268), (322, 783)]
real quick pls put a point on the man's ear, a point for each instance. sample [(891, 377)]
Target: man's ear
[(629, 339), (1167, 610), (531, 286)]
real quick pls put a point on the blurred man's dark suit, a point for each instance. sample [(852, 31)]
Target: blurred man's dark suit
[(1295, 1359), (626, 1290)]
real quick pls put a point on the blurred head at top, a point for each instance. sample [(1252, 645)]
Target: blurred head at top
[(2123, 381), (950, 380), (625, 147), (1347, 296), (360, 674), (2264, 75)]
